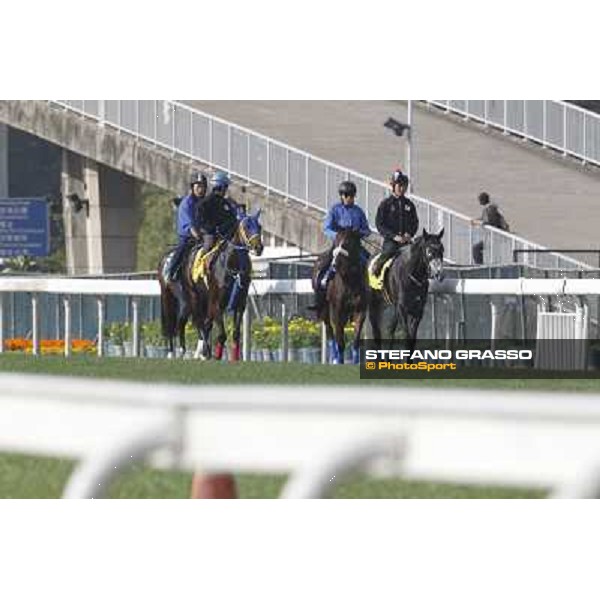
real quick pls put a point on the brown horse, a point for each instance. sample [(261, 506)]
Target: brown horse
[(346, 296), (175, 303), (225, 288)]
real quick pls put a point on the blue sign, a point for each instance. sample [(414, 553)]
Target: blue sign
[(24, 227)]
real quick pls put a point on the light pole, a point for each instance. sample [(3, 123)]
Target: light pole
[(398, 129)]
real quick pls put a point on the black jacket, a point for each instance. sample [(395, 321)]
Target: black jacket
[(216, 212), (396, 216)]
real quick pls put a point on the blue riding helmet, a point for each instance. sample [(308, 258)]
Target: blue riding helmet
[(220, 180)]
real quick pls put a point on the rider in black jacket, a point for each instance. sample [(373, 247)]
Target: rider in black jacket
[(396, 220)]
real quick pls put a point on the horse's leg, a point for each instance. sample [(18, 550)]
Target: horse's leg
[(412, 326), (221, 336), (340, 340), (182, 319), (329, 334), (359, 321), (168, 318), (375, 319), (237, 326)]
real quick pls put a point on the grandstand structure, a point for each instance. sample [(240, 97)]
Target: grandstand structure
[(108, 145)]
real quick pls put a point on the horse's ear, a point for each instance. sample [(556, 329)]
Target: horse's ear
[(257, 213), (440, 235), (425, 234)]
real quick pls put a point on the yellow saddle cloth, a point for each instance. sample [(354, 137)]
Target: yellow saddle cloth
[(202, 262), (376, 281)]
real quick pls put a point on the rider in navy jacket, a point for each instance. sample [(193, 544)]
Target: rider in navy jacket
[(396, 220), (187, 220)]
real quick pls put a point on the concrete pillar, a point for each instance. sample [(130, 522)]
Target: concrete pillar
[(101, 237), (3, 161), (120, 219), (74, 223)]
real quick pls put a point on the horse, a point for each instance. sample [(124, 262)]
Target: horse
[(225, 287), (175, 306), (346, 295), (405, 288)]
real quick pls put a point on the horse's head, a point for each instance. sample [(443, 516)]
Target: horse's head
[(250, 232), (433, 253), (347, 244)]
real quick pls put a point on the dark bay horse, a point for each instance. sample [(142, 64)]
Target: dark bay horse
[(175, 306), (225, 288), (406, 286), (346, 296)]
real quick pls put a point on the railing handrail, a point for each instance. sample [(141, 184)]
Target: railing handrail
[(287, 193)]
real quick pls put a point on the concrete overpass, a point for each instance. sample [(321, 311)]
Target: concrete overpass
[(106, 166)]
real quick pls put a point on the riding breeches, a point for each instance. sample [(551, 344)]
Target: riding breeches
[(180, 249)]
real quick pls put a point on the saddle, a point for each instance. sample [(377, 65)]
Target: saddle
[(376, 282), (203, 262)]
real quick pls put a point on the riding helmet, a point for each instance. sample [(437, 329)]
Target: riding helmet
[(347, 188), (198, 178), (398, 177), (220, 180)]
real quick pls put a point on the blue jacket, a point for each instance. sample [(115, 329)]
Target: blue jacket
[(187, 216), (346, 217)]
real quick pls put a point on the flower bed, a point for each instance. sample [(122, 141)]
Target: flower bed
[(49, 346)]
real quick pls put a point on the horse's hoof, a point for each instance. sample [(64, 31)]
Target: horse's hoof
[(169, 355)]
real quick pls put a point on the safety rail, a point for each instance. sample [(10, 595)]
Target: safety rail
[(288, 171), (100, 289), (544, 440), (554, 124)]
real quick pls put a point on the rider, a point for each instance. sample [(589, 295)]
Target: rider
[(396, 220), (343, 215), (217, 214), (187, 220)]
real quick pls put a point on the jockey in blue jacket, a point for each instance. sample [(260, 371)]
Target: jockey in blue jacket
[(187, 220), (343, 215)]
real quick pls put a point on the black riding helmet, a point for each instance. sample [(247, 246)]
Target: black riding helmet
[(347, 188), (199, 178), (399, 177)]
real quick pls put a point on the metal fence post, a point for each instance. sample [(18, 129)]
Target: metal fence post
[(564, 130), (323, 344), (100, 346), (35, 324), (287, 172), (155, 132), (135, 326), (306, 179), (67, 311), (505, 115), (544, 124), (229, 149), (173, 129), (284, 333), (246, 335), (268, 167), (248, 158)]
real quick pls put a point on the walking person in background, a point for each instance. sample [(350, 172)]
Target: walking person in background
[(491, 216)]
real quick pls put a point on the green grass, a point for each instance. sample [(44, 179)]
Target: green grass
[(33, 477), (194, 372)]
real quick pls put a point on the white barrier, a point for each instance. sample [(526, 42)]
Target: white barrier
[(493, 437), (135, 289)]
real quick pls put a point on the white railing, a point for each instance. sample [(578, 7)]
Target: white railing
[(291, 172), (553, 123), (136, 289), (545, 440)]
